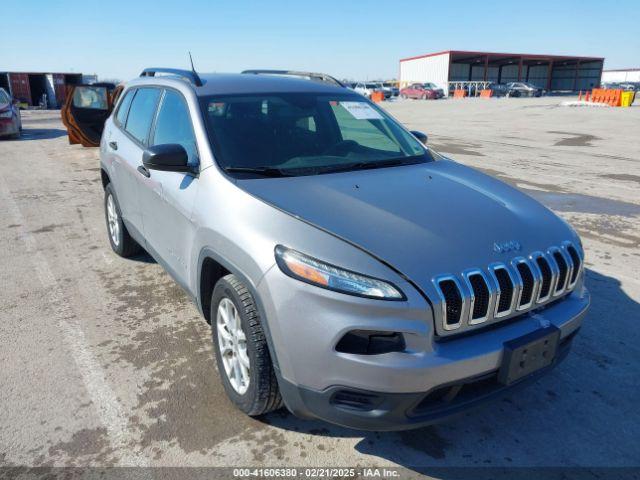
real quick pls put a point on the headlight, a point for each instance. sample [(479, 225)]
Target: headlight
[(324, 275), (7, 114)]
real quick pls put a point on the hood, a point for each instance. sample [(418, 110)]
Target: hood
[(424, 220)]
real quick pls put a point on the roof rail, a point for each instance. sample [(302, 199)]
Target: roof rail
[(188, 74), (318, 77)]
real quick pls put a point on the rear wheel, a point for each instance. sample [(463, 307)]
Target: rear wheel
[(242, 355), (119, 238)]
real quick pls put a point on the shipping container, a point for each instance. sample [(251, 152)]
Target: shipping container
[(32, 88)]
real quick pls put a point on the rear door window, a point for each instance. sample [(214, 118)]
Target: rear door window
[(94, 98), (141, 113), (123, 109), (173, 125)]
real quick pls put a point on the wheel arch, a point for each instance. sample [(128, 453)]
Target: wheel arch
[(211, 268)]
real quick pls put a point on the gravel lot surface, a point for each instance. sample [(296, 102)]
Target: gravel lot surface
[(104, 361)]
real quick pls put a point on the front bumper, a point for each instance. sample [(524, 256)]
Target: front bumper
[(379, 411), (306, 324)]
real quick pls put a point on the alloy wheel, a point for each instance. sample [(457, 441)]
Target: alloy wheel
[(112, 220), (232, 343)]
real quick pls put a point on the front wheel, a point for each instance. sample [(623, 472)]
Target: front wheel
[(242, 354)]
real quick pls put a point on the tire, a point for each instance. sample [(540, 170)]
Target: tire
[(121, 242), (257, 391)]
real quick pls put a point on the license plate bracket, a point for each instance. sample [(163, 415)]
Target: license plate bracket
[(529, 353)]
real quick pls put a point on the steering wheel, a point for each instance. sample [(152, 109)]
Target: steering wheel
[(340, 148)]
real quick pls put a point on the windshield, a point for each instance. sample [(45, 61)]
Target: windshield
[(4, 98), (429, 85), (371, 85), (305, 134)]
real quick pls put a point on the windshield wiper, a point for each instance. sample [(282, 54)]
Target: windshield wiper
[(391, 162), (264, 171)]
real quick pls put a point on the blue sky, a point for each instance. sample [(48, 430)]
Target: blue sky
[(352, 39)]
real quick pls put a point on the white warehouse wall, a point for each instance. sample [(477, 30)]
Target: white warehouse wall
[(433, 69), (621, 76)]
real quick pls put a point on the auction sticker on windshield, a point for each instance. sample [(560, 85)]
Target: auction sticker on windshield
[(361, 110)]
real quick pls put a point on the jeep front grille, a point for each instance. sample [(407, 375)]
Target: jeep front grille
[(505, 289)]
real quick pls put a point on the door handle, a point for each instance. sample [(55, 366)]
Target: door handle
[(143, 170), (113, 145)]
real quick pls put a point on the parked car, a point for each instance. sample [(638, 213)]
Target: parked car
[(387, 91), (366, 89), (422, 91), (10, 120), (347, 270), (395, 91), (497, 89), (523, 89), (628, 86)]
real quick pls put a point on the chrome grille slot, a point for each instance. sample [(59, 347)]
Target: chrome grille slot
[(547, 278), (505, 297), (528, 284), (576, 265), (481, 299), (453, 302), (563, 270)]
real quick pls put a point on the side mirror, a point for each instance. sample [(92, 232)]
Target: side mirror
[(169, 157), (420, 136)]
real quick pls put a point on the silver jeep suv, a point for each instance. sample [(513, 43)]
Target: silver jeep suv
[(347, 270)]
